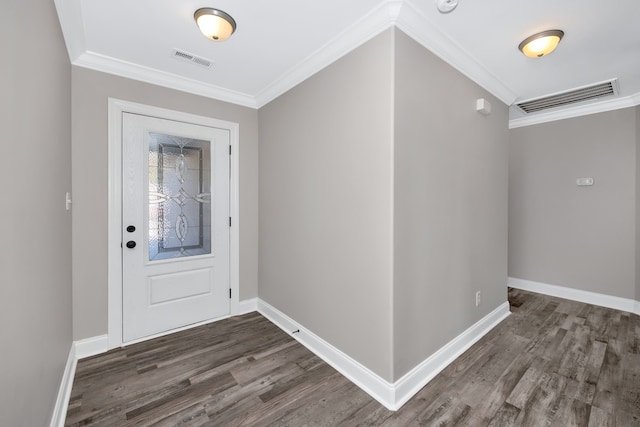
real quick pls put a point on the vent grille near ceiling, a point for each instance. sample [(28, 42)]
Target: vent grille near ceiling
[(189, 57), (578, 95)]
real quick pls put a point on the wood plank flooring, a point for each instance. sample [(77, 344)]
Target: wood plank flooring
[(553, 362)]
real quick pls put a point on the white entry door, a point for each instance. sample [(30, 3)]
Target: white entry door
[(175, 218)]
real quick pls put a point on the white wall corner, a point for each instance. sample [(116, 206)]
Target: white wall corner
[(91, 346), (64, 392), (602, 300), (247, 306), (392, 396)]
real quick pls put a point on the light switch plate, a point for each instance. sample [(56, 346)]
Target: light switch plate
[(584, 181)]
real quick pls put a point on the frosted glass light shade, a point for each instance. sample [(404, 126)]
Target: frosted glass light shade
[(541, 44), (215, 24)]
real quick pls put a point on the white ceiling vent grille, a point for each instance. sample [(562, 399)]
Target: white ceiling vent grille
[(189, 57), (586, 93)]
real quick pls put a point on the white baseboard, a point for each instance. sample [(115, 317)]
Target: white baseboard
[(91, 346), (100, 344), (64, 392), (391, 395), (418, 377), (363, 377), (247, 306), (603, 300)]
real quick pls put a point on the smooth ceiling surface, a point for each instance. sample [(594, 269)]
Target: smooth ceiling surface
[(282, 42)]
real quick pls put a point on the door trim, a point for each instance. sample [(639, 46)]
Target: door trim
[(114, 253)]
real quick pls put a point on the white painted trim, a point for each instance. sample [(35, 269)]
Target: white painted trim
[(378, 20), (577, 111), (64, 392), (91, 346), (234, 213), (418, 377), (247, 306), (114, 254), (130, 70), (400, 13), (363, 377), (603, 300), (71, 23), (114, 224), (420, 28), (391, 395), (173, 331), (100, 344)]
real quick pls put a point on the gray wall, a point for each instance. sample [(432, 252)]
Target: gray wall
[(35, 254), (325, 204), (450, 204), (562, 234), (90, 92)]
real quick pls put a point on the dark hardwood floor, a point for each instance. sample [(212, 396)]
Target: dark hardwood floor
[(553, 362)]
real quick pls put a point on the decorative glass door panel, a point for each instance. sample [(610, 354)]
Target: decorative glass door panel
[(179, 197)]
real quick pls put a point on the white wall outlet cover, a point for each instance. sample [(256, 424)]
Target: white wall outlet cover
[(446, 6)]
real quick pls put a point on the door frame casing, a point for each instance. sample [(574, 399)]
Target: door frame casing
[(114, 254)]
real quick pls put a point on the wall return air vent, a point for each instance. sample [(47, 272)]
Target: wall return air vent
[(189, 57), (585, 93)]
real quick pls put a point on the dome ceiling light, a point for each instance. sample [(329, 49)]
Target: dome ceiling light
[(215, 24), (541, 44)]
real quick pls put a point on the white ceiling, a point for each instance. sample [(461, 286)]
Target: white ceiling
[(280, 43)]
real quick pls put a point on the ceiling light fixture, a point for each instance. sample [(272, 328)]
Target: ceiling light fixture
[(541, 44), (215, 24)]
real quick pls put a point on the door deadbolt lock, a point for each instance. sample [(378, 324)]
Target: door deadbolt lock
[(131, 244), (131, 229)]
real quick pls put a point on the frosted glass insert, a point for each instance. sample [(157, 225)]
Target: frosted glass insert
[(179, 197)]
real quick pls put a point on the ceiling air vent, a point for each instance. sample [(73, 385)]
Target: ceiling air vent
[(189, 57), (586, 93)]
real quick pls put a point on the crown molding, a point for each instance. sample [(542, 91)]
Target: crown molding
[(133, 71), (360, 32), (71, 23), (399, 13), (576, 111), (420, 28)]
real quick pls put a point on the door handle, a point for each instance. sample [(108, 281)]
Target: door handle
[(131, 244)]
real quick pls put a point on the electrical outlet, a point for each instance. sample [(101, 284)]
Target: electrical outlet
[(477, 298)]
